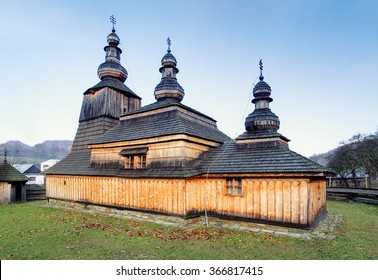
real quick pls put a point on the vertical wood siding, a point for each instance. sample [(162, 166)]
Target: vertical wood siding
[(5, 193), (295, 201), (288, 201), (160, 195)]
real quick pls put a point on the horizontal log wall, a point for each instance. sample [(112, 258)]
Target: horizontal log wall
[(5, 193), (286, 201), (106, 156), (167, 153), (165, 196)]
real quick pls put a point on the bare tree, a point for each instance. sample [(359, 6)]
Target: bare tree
[(359, 153)]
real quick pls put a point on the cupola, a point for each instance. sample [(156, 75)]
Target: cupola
[(112, 67), (262, 123), (168, 86), (262, 118)]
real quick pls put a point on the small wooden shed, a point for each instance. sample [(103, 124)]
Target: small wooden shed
[(12, 184)]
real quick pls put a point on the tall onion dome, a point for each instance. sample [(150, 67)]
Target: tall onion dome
[(168, 86), (112, 67), (262, 119), (262, 124)]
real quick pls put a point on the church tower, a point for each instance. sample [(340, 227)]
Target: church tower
[(168, 86), (106, 101), (262, 124)]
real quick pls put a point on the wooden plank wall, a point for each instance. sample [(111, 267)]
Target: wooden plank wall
[(295, 201), (5, 193), (165, 153), (161, 195), (276, 200), (107, 102), (317, 198)]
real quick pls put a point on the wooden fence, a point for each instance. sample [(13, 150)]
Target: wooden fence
[(353, 194), (35, 192)]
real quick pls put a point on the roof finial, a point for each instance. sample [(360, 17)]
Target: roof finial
[(5, 156), (113, 20), (169, 44), (261, 68)]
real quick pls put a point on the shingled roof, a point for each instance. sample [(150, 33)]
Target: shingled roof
[(10, 174), (115, 84), (78, 163), (226, 159), (168, 102), (161, 124), (272, 157), (229, 158)]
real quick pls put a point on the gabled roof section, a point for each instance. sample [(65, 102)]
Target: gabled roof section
[(161, 124), (27, 168), (266, 158), (10, 174), (115, 84), (169, 102)]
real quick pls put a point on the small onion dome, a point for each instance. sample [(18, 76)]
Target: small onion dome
[(262, 91), (168, 86), (113, 39), (112, 69), (262, 120), (168, 60)]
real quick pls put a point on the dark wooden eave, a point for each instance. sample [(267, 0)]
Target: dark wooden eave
[(115, 84), (10, 174)]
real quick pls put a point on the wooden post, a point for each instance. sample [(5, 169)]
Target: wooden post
[(204, 204)]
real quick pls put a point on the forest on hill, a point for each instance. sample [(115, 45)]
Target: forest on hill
[(356, 157), (18, 152)]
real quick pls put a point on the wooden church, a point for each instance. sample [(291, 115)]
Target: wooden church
[(168, 158)]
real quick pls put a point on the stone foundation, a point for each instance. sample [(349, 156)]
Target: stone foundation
[(128, 214), (326, 229)]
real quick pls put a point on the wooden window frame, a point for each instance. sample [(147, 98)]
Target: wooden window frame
[(136, 161), (129, 162), (234, 187)]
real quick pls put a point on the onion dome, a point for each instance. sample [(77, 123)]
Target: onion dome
[(113, 39), (168, 86), (262, 119), (112, 67)]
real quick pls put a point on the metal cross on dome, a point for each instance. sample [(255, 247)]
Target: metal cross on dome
[(261, 68), (169, 44), (113, 20)]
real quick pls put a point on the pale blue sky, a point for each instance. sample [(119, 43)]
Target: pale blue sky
[(320, 58)]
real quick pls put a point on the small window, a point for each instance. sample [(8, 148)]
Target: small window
[(142, 161), (129, 163), (234, 187), (135, 162), (135, 158)]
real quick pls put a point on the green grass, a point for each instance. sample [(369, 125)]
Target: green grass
[(33, 231)]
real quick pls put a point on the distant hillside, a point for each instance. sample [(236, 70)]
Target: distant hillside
[(18, 152), (323, 158)]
